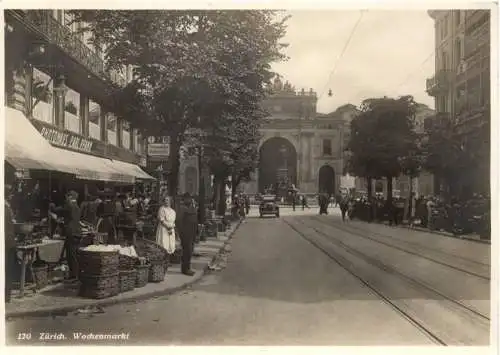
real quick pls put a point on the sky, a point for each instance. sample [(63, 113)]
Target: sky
[(391, 53)]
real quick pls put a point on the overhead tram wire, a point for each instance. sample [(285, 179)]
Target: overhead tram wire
[(412, 73), (342, 53)]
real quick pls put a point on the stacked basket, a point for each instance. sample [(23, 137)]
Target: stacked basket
[(99, 273), (142, 276), (156, 256), (128, 272)]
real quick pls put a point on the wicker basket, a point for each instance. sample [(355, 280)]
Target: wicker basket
[(93, 263), (41, 274), (127, 262), (157, 271), (100, 286), (150, 250), (142, 275), (127, 280)]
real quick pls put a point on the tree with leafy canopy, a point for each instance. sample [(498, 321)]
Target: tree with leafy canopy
[(448, 156), (382, 135), (190, 67), (232, 151)]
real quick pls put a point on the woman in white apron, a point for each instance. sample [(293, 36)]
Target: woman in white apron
[(165, 232)]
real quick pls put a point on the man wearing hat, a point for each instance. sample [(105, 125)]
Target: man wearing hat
[(187, 225)]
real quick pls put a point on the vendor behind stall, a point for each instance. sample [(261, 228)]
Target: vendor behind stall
[(106, 212), (72, 230)]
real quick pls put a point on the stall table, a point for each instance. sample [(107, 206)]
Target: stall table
[(28, 254)]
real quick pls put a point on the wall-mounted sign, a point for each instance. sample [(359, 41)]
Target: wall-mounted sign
[(158, 139), (159, 150), (67, 140)]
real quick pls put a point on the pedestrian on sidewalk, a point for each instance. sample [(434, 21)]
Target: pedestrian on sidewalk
[(188, 225), (247, 204), (165, 231), (343, 208)]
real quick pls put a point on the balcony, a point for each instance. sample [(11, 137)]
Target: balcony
[(439, 83), (69, 42)]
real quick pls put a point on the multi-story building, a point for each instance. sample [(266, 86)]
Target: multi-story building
[(58, 94), (461, 84), (298, 145)]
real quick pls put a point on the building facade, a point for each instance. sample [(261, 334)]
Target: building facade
[(299, 146), (461, 84), (56, 83)]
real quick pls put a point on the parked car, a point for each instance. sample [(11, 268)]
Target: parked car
[(269, 206)]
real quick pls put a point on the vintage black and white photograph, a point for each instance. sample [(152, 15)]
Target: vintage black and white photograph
[(249, 176)]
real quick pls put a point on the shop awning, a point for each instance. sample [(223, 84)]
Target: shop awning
[(25, 148), (130, 170), (89, 167)]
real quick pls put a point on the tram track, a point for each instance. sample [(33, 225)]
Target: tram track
[(358, 232), (434, 326)]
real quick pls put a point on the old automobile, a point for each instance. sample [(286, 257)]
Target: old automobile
[(268, 206)]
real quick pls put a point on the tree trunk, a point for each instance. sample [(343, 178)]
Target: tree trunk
[(173, 164), (221, 208), (201, 190), (233, 185), (369, 189), (410, 199), (370, 194), (389, 190)]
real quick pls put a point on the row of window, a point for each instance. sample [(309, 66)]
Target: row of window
[(66, 19), (42, 96), (444, 24)]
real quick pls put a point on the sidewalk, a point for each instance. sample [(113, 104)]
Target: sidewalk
[(60, 300), (471, 237)]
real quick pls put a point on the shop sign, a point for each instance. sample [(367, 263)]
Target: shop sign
[(159, 150), (67, 140)]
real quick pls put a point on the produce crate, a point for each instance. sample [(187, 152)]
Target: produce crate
[(127, 262), (150, 250), (142, 275), (157, 271), (93, 263), (127, 280), (102, 286), (41, 274)]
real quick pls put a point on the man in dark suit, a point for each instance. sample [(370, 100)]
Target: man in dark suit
[(187, 225), (72, 230)]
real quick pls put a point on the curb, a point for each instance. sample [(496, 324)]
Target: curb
[(449, 235), (58, 311)]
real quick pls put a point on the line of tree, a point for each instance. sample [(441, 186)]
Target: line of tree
[(201, 71), (384, 143)]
